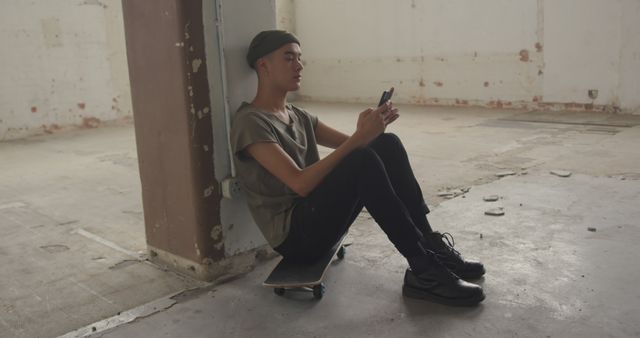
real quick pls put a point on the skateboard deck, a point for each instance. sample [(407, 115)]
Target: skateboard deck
[(294, 276)]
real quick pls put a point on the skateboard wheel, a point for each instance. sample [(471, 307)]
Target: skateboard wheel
[(341, 252), (318, 291), (278, 291)]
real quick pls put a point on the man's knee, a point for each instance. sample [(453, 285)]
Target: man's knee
[(390, 137), (361, 154), (387, 141), (363, 158)]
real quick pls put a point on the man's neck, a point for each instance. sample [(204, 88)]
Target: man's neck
[(272, 101)]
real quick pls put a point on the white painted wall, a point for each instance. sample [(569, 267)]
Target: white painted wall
[(240, 21), (62, 64), (582, 50), (526, 53), (629, 85)]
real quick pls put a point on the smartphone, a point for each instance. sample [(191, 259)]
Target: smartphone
[(386, 96)]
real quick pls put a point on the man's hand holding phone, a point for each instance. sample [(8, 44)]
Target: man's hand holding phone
[(389, 113), (373, 122)]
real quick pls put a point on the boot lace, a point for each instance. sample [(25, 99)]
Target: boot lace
[(449, 242)]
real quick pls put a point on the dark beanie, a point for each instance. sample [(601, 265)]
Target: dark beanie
[(266, 42)]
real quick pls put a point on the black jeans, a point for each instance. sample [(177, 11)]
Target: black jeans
[(378, 177)]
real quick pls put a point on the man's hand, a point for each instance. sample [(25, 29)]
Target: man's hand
[(373, 122)]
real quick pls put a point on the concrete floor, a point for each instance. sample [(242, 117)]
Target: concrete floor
[(72, 246), (548, 273)]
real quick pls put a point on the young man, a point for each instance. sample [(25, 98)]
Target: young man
[(304, 204)]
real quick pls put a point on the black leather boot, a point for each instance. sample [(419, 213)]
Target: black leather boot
[(440, 285), (442, 245)]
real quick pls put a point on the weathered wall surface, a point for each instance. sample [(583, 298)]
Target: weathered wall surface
[(497, 53), (231, 82), (629, 85), (63, 64)]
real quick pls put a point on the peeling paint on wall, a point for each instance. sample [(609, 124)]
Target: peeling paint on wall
[(70, 58), (90, 122), (487, 52), (195, 65)]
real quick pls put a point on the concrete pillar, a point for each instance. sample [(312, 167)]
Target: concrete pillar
[(179, 102), (180, 195)]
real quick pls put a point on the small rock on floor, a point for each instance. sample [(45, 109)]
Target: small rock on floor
[(561, 173), (495, 212), (491, 198), (592, 229)]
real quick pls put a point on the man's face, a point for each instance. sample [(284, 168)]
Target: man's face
[(283, 67)]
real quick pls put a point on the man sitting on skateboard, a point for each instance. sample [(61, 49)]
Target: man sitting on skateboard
[(304, 204)]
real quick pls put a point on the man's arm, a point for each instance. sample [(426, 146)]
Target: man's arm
[(302, 181), (328, 136)]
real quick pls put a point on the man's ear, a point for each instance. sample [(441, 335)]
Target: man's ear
[(261, 65)]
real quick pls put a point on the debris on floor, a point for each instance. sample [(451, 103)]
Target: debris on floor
[(592, 229), (495, 212), (54, 248), (453, 192), (446, 194), (491, 198), (560, 173), (505, 173)]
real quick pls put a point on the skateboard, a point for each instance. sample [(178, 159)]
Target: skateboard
[(292, 276)]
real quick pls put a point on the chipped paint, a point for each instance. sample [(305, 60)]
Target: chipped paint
[(50, 129), (195, 65), (538, 47), (216, 232), (62, 33), (90, 122), (209, 191)]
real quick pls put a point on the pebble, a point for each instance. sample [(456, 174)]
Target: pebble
[(491, 198), (505, 173), (592, 229), (560, 173), (495, 212)]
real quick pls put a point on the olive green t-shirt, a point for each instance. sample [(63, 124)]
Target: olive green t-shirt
[(270, 200)]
